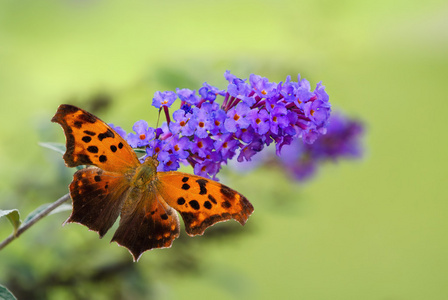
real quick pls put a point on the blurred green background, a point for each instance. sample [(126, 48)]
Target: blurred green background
[(370, 229)]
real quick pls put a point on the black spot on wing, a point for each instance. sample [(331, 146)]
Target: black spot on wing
[(107, 134), (194, 204), (211, 198), (202, 186), (92, 149), (185, 179), (77, 124), (86, 139), (113, 148), (207, 205), (164, 217), (120, 145), (103, 158), (97, 178), (185, 186), (181, 201), (89, 132)]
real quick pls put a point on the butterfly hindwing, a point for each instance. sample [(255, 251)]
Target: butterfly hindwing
[(97, 198), (202, 202), (147, 222), (90, 141)]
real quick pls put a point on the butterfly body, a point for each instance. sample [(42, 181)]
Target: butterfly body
[(145, 174), (115, 183)]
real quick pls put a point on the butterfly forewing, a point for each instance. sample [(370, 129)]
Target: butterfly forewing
[(202, 202), (90, 141)]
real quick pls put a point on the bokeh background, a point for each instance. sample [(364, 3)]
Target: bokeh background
[(375, 228)]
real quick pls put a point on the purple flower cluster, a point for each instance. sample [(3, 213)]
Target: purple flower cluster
[(343, 140), (253, 114)]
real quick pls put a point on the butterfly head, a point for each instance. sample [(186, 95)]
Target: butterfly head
[(152, 160)]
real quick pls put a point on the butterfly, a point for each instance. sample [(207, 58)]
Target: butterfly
[(115, 183)]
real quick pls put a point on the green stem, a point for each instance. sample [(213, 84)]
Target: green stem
[(36, 218)]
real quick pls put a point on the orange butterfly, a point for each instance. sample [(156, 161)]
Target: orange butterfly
[(117, 183)]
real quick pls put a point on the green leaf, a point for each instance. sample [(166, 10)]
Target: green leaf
[(58, 147), (5, 294), (13, 217), (61, 208)]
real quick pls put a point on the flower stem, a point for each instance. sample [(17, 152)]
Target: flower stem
[(36, 218)]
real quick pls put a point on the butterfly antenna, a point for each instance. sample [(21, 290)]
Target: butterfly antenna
[(154, 156)]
